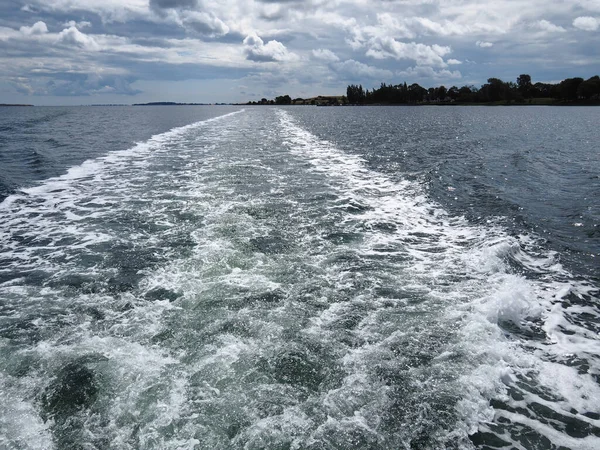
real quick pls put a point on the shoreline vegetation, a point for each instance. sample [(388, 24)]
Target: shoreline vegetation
[(569, 92)]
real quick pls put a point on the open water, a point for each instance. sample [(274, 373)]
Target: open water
[(299, 278)]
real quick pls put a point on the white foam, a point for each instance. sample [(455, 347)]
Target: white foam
[(484, 293), (20, 424), (184, 371), (64, 220)]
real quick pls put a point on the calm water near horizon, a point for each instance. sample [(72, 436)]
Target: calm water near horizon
[(224, 277)]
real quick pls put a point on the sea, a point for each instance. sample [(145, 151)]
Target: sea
[(286, 278)]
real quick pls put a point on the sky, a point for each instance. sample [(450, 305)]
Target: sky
[(71, 52)]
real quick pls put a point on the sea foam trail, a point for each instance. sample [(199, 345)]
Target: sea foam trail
[(532, 363), (243, 284), (61, 284)]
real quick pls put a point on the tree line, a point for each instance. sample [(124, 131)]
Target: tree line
[(495, 90), (280, 100)]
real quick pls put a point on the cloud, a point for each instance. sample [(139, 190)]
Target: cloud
[(273, 51), (173, 4), (422, 54), (37, 28), (205, 24), (82, 24), (301, 5), (67, 84), (313, 46), (355, 69), (447, 28), (22, 86), (273, 12), (428, 72), (324, 54), (393, 26), (544, 25), (590, 5), (586, 23), (72, 36), (87, 85)]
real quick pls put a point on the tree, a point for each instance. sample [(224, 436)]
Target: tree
[(568, 88), (465, 94), (542, 90), (355, 94), (431, 94), (441, 93), (494, 90), (283, 100), (416, 93), (453, 93), (589, 88), (524, 85)]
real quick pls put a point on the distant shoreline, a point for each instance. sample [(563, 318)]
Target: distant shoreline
[(180, 104), (579, 103), (499, 103)]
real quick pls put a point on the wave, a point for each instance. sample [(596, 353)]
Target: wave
[(241, 283), (71, 251), (518, 322)]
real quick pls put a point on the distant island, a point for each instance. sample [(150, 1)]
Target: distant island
[(13, 104), (569, 92)]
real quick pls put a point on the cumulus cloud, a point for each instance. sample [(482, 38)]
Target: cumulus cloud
[(590, 5), (324, 54), (430, 55), (173, 4), (37, 28), (392, 25), (447, 28), (330, 42), (429, 72), (273, 51), (544, 25), (355, 69), (72, 36), (301, 5), (273, 12), (586, 23), (205, 24), (72, 23)]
